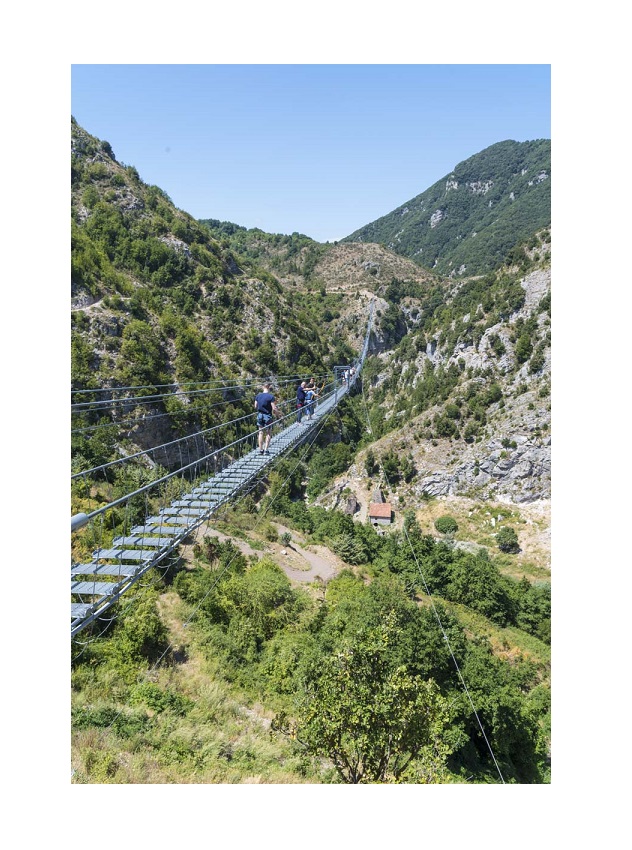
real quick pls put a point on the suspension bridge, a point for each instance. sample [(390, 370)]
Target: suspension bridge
[(210, 481)]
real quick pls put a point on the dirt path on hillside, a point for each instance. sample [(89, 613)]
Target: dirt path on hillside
[(323, 564), (298, 563)]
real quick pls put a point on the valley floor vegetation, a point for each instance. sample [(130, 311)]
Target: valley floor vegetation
[(219, 670)]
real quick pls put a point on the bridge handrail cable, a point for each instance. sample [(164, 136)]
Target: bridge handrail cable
[(81, 519), (247, 384), (127, 458), (103, 404)]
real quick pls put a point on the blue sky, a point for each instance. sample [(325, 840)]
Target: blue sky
[(318, 149)]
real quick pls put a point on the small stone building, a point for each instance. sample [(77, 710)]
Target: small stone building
[(380, 513)]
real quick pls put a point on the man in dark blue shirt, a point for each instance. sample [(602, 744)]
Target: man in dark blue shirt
[(300, 400), (265, 405)]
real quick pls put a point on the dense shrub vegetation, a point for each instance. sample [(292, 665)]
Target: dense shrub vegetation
[(363, 678), (446, 524)]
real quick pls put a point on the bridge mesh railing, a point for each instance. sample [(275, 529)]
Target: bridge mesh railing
[(134, 511)]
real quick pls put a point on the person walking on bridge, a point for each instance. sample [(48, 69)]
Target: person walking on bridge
[(300, 400), (265, 405), (310, 401)]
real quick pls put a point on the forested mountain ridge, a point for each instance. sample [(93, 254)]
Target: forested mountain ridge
[(468, 222), (157, 300), (136, 256)]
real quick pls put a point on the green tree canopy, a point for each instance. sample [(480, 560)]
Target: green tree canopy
[(372, 719)]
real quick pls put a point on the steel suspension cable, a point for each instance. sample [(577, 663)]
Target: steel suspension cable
[(185, 412), (104, 404), (142, 419), (443, 631), (220, 385)]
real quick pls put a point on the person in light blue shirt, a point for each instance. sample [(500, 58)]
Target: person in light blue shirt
[(310, 401)]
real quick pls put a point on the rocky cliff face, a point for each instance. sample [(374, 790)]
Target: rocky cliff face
[(481, 357), (521, 474), (512, 460)]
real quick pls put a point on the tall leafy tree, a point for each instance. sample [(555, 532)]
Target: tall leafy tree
[(372, 718)]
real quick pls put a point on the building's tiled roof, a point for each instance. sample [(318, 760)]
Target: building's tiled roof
[(381, 511)]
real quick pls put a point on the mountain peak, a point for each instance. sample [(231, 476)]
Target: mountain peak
[(468, 222)]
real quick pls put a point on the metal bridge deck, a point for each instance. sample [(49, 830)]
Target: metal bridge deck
[(149, 544)]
